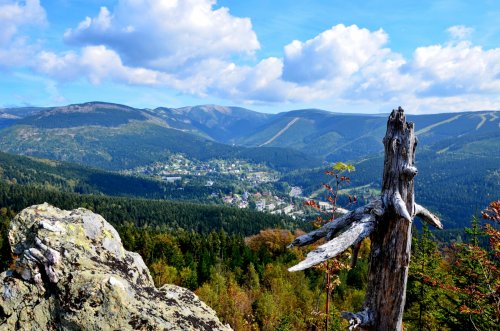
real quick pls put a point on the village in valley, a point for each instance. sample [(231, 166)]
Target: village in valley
[(254, 182)]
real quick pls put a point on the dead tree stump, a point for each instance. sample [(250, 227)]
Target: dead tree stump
[(388, 222)]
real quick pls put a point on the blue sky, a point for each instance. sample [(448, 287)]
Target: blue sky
[(274, 55)]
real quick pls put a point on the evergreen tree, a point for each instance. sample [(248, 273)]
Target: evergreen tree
[(423, 300)]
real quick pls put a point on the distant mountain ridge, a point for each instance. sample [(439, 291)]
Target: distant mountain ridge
[(326, 135), (334, 136), (315, 132), (113, 137), (457, 153), (247, 127), (223, 124), (92, 113)]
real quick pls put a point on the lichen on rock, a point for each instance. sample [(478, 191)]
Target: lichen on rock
[(72, 273)]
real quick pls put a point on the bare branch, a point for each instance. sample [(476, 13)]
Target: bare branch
[(322, 232), (400, 206), (329, 230), (363, 318), (353, 235), (427, 216)]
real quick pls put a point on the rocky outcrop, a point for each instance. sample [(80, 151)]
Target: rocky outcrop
[(72, 273)]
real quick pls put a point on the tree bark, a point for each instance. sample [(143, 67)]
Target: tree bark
[(391, 240), (388, 222)]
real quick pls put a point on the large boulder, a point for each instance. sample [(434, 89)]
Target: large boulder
[(72, 273)]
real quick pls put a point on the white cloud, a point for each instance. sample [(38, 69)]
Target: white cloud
[(346, 62), (15, 49), (459, 32), (97, 63), (193, 47), (15, 14), (167, 35), (335, 53), (456, 69), (439, 104), (188, 46), (17, 53)]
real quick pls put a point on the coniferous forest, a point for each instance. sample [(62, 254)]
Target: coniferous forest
[(298, 165), (237, 262)]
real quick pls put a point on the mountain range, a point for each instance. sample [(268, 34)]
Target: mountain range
[(320, 134), (457, 153), (116, 137)]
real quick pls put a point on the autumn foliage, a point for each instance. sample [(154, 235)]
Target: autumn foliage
[(272, 240), (457, 286)]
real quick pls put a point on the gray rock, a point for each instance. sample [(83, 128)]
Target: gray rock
[(72, 273)]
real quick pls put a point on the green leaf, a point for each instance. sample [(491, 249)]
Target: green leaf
[(341, 167)]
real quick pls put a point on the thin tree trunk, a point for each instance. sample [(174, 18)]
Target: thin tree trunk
[(327, 307)]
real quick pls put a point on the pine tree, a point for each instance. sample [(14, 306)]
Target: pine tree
[(423, 297)]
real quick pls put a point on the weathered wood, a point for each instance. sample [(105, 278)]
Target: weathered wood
[(427, 216), (354, 256), (331, 229), (391, 241), (353, 235), (389, 220), (361, 319)]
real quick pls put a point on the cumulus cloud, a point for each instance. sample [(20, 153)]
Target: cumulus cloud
[(210, 76), (190, 46), (346, 62), (185, 45), (338, 52), (455, 69), (15, 49), (15, 14), (352, 64), (97, 63), (167, 35), (459, 32)]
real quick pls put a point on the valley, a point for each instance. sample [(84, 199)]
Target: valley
[(238, 157), (216, 165), (211, 196)]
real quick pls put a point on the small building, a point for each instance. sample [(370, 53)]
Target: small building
[(260, 205), (172, 179), (288, 209), (295, 191), (243, 204)]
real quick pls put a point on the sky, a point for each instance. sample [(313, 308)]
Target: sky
[(267, 55)]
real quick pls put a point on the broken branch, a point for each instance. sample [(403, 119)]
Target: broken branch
[(353, 235), (400, 206), (363, 318), (329, 230), (427, 216)]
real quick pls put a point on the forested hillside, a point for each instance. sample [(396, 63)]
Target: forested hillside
[(152, 213), (457, 154), (69, 177), (223, 124), (443, 180), (245, 279), (117, 137), (452, 185)]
